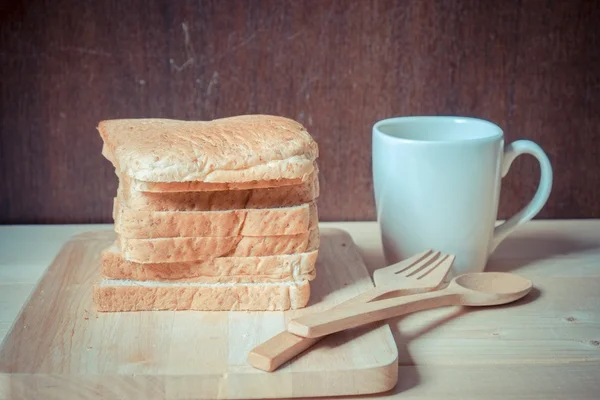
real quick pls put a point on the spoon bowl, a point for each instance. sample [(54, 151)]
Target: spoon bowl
[(490, 288)]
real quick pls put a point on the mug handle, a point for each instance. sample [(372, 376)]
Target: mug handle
[(511, 152)]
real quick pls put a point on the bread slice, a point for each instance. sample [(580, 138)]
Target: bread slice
[(246, 222), (282, 196), (238, 149), (177, 187), (278, 268), (122, 295), (186, 249), (196, 186)]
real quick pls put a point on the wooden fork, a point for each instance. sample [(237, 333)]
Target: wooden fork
[(421, 273)]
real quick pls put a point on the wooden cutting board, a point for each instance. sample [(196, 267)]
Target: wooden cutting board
[(60, 346)]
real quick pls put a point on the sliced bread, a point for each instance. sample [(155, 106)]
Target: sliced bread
[(185, 249), (282, 196), (247, 222), (244, 148), (198, 186), (278, 268), (123, 295)]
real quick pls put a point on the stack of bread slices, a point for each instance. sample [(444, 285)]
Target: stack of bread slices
[(210, 215)]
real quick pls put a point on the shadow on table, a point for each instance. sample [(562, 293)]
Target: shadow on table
[(519, 251), (409, 375)]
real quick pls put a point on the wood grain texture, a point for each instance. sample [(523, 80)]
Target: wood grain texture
[(546, 348), (335, 65), (81, 353)]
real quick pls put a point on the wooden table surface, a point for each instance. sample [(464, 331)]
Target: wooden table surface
[(547, 347)]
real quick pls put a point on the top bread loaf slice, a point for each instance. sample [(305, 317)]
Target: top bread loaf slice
[(241, 149), (208, 187)]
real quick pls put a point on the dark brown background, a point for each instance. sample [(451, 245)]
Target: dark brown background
[(337, 66)]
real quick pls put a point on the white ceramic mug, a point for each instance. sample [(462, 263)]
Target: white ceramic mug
[(437, 186)]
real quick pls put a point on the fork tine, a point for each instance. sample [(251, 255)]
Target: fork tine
[(440, 269), (431, 267), (418, 266), (409, 262)]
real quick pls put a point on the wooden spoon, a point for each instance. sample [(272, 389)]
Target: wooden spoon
[(475, 289)]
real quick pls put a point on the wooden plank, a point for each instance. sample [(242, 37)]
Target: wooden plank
[(579, 381), (22, 274), (12, 298), (542, 350), (26, 251), (60, 345), (558, 323), (335, 65), (538, 248)]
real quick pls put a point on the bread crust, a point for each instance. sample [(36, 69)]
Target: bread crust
[(111, 296), (238, 149), (277, 268)]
